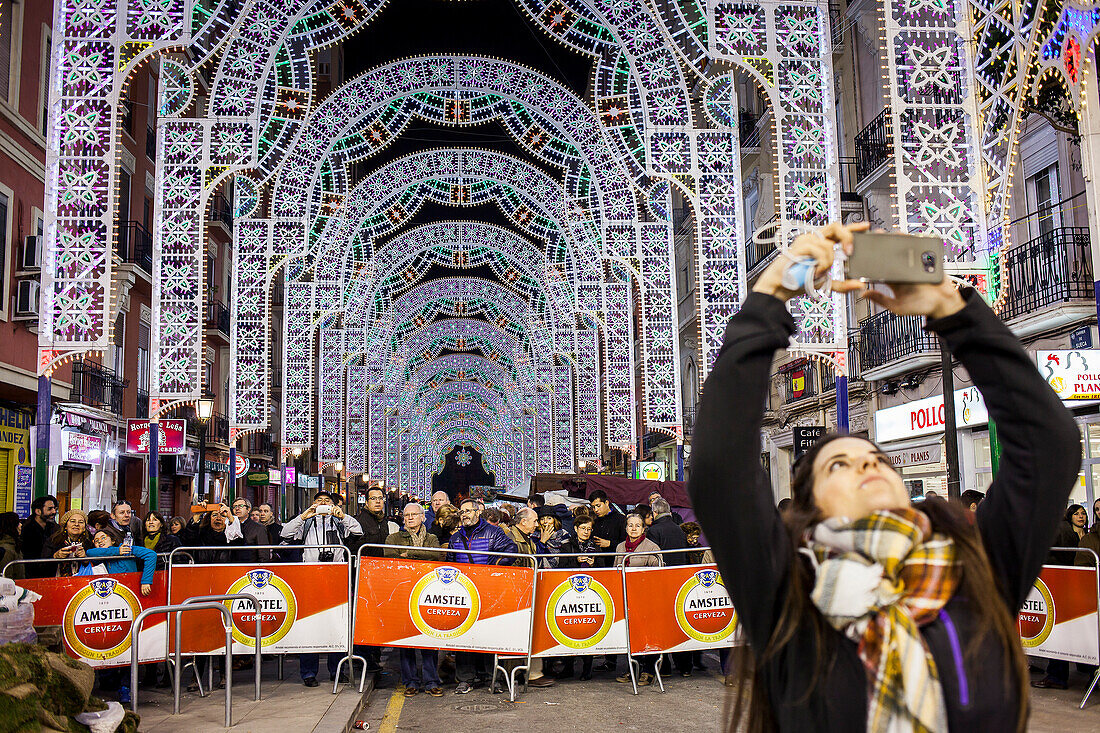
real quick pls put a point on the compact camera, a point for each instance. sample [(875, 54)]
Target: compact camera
[(324, 509)]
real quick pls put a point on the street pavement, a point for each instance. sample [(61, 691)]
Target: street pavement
[(695, 704), (692, 704)]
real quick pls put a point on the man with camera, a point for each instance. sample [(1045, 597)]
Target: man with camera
[(323, 523)]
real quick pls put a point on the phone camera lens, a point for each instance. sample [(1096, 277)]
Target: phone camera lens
[(929, 261)]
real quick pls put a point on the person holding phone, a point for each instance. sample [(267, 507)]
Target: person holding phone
[(863, 611), (71, 541)]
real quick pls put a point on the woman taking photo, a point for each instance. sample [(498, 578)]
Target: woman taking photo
[(863, 612), (70, 541)]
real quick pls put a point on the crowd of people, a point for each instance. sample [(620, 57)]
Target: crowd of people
[(591, 535)]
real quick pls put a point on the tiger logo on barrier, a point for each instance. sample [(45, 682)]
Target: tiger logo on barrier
[(99, 618), (1037, 615), (444, 603), (704, 610), (580, 612), (278, 607)]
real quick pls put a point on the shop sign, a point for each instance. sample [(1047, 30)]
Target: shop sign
[(307, 481), (804, 438), (216, 467), (171, 436), (242, 466), (651, 470), (258, 478), (1073, 375), (15, 435), (291, 474), (187, 464), (925, 417), (84, 422), (918, 456), (82, 448), (274, 476), (24, 484)]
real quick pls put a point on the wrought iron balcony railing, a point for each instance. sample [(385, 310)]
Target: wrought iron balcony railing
[(217, 316), (874, 144), (135, 244), (758, 251), (1054, 267), (885, 337), (97, 386), (221, 211)]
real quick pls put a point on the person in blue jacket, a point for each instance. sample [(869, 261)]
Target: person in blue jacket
[(124, 559)]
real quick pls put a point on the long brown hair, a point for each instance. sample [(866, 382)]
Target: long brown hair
[(978, 585)]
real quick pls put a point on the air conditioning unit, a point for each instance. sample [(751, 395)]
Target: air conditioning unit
[(26, 299), (32, 253)]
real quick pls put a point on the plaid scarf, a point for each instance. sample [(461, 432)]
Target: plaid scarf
[(879, 579)]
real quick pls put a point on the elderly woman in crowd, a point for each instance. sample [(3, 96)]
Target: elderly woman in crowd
[(70, 541), (632, 551)]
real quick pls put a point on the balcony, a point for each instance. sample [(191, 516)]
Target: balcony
[(874, 145), (259, 444), (689, 420), (221, 212), (760, 250), (890, 344), (97, 386), (217, 427), (798, 380), (135, 245), (1049, 281), (749, 126), (217, 316), (151, 143)]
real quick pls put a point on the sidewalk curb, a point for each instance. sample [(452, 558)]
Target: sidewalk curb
[(348, 725)]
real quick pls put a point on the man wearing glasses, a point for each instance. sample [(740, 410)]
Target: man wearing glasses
[(254, 533), (473, 536)]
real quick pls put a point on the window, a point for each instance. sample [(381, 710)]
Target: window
[(44, 103), (118, 340), (124, 177), (1044, 196), (143, 356), (147, 214), (7, 11), (5, 236)]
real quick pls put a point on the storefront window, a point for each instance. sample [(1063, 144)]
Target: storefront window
[(983, 460)]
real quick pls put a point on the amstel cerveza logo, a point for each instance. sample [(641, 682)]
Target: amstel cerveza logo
[(444, 603), (277, 607), (580, 612), (1037, 615), (703, 608), (98, 619)]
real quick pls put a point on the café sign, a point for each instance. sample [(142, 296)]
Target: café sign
[(82, 448)]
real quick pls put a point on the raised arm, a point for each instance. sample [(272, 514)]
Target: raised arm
[(1041, 446), (729, 490)]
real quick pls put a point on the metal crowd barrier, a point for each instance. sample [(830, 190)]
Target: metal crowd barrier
[(179, 633), (179, 609), (1096, 566), (62, 561), (341, 549), (509, 678)]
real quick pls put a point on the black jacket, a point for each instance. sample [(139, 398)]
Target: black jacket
[(667, 535), (34, 540), (375, 532), (1066, 537), (256, 534), (611, 526), (196, 535), (1017, 520)]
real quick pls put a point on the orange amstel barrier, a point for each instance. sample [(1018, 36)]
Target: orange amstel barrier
[(442, 605), (96, 614), (579, 612), (678, 608)]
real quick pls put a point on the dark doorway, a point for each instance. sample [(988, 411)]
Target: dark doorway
[(457, 479)]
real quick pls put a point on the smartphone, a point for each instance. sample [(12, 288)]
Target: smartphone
[(895, 258)]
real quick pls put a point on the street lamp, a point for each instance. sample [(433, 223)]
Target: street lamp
[(204, 409)]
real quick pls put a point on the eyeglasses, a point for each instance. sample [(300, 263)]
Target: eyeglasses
[(468, 511)]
